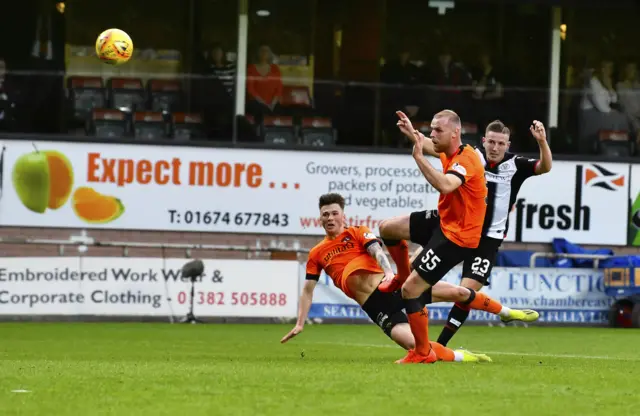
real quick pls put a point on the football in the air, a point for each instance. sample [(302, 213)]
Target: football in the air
[(114, 46)]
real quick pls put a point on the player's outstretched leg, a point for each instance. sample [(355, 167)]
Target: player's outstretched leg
[(401, 334), (447, 354), (457, 316), (394, 233), (418, 316), (399, 251), (446, 292)]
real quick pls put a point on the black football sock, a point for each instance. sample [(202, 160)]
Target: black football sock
[(458, 314)]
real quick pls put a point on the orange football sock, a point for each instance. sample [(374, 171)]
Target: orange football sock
[(419, 323), (400, 254), (443, 353), (485, 303)]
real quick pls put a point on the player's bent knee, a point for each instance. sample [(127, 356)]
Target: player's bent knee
[(414, 286), (396, 228), (461, 294)]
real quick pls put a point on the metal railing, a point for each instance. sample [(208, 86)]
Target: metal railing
[(82, 243), (595, 257)]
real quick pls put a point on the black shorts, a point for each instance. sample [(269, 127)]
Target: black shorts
[(480, 262), (386, 309), (438, 257), (422, 224)]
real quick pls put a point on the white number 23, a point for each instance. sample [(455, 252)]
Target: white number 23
[(480, 266)]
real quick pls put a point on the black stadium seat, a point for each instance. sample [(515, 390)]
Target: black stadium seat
[(318, 131), (107, 123), (279, 130), (149, 125), (85, 94)]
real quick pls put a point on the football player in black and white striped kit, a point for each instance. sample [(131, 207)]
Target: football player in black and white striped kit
[(505, 173)]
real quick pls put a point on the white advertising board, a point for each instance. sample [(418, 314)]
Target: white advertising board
[(118, 186), (573, 296), (146, 287), (586, 203)]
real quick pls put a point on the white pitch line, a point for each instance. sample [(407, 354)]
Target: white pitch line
[(523, 354)]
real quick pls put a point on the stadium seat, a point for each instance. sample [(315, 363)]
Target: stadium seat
[(187, 126), (107, 123), (278, 130), (296, 96), (149, 125), (614, 143), (165, 95), (470, 134), (423, 127), (317, 131), (85, 94), (126, 94)]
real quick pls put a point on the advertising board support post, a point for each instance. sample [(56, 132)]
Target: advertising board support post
[(193, 270)]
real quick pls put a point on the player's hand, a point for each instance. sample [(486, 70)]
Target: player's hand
[(295, 331), (538, 131), (405, 126), (388, 277), (418, 144)]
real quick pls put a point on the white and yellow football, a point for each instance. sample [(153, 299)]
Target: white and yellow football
[(114, 47)]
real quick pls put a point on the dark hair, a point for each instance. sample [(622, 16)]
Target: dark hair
[(498, 126), (328, 199)]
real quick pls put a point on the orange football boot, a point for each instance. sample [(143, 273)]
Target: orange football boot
[(414, 358), (392, 285)]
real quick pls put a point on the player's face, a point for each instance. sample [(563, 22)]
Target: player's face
[(332, 219), (496, 145), (442, 132)]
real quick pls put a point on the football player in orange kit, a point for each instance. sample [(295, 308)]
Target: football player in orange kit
[(353, 258), (461, 207)]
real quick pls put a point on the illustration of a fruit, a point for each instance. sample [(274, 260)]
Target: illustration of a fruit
[(95, 208), (43, 179)]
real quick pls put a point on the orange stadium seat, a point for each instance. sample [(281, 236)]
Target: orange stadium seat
[(296, 96), (470, 134), (614, 143), (85, 94), (107, 123), (165, 95), (126, 94), (187, 126), (318, 131), (279, 130), (149, 125)]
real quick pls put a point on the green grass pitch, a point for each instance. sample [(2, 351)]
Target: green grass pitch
[(328, 370)]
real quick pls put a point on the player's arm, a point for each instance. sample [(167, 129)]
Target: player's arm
[(427, 148), (545, 162), (306, 298), (375, 250), (405, 126), (444, 183)]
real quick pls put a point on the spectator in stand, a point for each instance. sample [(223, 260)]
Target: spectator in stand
[(487, 93), (264, 84), (221, 68), (400, 78), (454, 82), (628, 90), (213, 92), (599, 108)]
